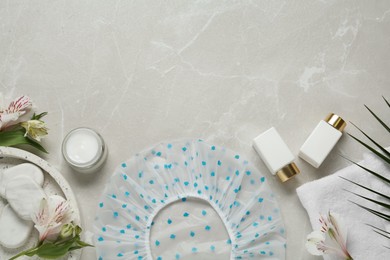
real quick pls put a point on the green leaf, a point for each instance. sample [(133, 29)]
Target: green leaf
[(39, 116), (83, 244), (11, 138), (368, 170), (377, 118), (386, 101), (381, 232), (386, 236), (375, 212), (29, 252), (75, 248), (380, 155), (51, 251), (364, 187), (378, 229), (55, 250), (373, 141), (16, 137), (383, 204), (36, 145), (385, 157)]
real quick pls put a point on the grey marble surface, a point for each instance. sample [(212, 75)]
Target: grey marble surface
[(144, 71)]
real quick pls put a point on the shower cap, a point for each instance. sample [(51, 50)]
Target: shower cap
[(188, 200)]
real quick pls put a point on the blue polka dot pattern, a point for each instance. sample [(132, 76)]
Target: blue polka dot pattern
[(180, 171)]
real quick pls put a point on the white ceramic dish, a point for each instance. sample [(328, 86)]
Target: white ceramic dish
[(54, 184)]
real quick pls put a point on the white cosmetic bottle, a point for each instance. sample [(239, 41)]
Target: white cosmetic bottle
[(322, 140), (275, 154)]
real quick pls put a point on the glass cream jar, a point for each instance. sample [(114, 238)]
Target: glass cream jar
[(84, 150)]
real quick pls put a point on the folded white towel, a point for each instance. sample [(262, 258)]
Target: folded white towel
[(328, 194)]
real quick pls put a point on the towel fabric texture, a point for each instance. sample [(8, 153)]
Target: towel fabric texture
[(331, 194)]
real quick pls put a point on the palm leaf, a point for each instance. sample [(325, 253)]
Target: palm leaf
[(368, 170), (385, 156), (383, 204), (366, 188), (380, 155), (379, 230), (377, 118), (386, 101), (375, 212), (373, 141), (386, 236)]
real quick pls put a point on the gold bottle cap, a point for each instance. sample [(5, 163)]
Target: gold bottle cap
[(336, 121), (287, 172)]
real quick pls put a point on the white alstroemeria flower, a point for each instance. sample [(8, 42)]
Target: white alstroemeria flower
[(53, 213), (35, 129), (16, 109), (58, 234), (328, 240)]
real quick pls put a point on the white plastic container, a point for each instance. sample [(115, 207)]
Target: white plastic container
[(84, 150), (322, 140), (275, 154)]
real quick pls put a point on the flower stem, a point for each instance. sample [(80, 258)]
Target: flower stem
[(28, 252)]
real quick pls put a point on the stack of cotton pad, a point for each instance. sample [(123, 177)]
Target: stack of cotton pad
[(21, 186), (188, 200)]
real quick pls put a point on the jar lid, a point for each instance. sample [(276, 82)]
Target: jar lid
[(288, 172), (336, 121)]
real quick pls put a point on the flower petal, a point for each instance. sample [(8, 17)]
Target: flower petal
[(35, 129), (312, 248), (41, 217), (316, 236), (52, 215), (20, 107), (313, 240), (19, 104)]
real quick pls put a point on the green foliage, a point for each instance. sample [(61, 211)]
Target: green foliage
[(17, 136), (39, 116), (56, 249), (380, 152)]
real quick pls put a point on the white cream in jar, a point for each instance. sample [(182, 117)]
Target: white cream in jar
[(84, 150)]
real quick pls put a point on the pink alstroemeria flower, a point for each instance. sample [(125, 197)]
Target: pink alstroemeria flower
[(17, 108), (328, 240), (53, 213)]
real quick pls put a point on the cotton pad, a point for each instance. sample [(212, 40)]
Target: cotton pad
[(24, 169), (24, 196), (14, 231)]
